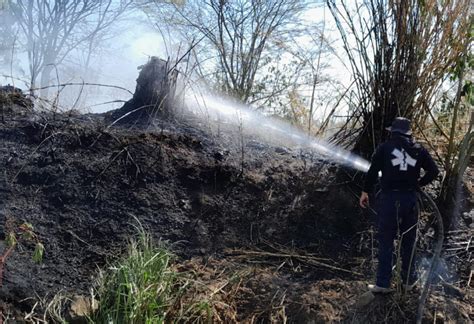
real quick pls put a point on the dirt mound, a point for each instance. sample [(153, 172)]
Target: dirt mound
[(83, 186), (13, 102)]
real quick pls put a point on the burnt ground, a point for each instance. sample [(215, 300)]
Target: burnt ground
[(285, 221)]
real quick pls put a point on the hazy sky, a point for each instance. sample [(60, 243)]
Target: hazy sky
[(141, 39), (135, 40)]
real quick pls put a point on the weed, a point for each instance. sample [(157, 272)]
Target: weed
[(54, 309), (38, 252), (25, 233), (145, 288)]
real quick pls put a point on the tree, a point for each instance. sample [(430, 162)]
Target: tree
[(403, 56), (7, 34), (241, 37), (313, 55), (460, 145), (400, 54), (52, 29)]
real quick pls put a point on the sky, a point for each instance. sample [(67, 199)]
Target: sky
[(135, 41)]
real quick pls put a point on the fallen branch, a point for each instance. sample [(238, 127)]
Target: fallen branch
[(280, 255), (310, 260)]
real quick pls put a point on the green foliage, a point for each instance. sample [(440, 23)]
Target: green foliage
[(463, 63), (27, 231), (468, 92), (38, 253), (11, 239), (144, 288), (27, 234)]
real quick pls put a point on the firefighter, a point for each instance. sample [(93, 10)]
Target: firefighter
[(399, 160)]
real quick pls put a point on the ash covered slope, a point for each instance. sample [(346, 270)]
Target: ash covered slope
[(82, 186), (278, 223)]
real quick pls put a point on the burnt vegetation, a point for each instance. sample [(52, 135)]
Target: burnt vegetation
[(153, 212)]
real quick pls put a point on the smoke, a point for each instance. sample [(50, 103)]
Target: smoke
[(111, 59)]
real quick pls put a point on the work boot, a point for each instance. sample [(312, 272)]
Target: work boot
[(380, 290)]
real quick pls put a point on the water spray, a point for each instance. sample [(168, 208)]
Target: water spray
[(225, 110)]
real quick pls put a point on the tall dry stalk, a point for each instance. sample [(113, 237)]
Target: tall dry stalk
[(399, 53)]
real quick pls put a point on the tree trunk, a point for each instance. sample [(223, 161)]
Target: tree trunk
[(450, 196), (154, 95), (46, 77)]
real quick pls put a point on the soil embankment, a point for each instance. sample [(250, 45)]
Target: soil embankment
[(284, 220)]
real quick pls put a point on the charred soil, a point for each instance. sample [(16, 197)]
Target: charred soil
[(285, 222)]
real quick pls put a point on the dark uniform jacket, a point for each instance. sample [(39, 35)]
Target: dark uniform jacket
[(400, 159)]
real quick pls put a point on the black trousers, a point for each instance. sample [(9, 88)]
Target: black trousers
[(396, 214)]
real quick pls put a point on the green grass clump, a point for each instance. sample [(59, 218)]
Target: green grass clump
[(144, 288)]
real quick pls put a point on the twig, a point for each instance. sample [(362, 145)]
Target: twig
[(456, 249), (129, 113), (77, 237), (317, 263), (110, 163), (303, 258), (78, 96), (3, 258), (83, 84), (12, 56), (32, 153), (459, 231), (32, 312), (280, 255), (218, 289), (457, 243), (469, 243)]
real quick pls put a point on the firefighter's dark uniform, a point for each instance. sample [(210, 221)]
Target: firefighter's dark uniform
[(400, 160)]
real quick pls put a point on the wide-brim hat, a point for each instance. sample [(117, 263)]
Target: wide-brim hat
[(400, 125)]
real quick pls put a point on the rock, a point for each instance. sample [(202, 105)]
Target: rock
[(220, 155), (439, 318), (185, 204), (146, 203), (452, 290), (282, 150), (364, 299), (10, 97), (81, 308), (257, 145), (468, 217)]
